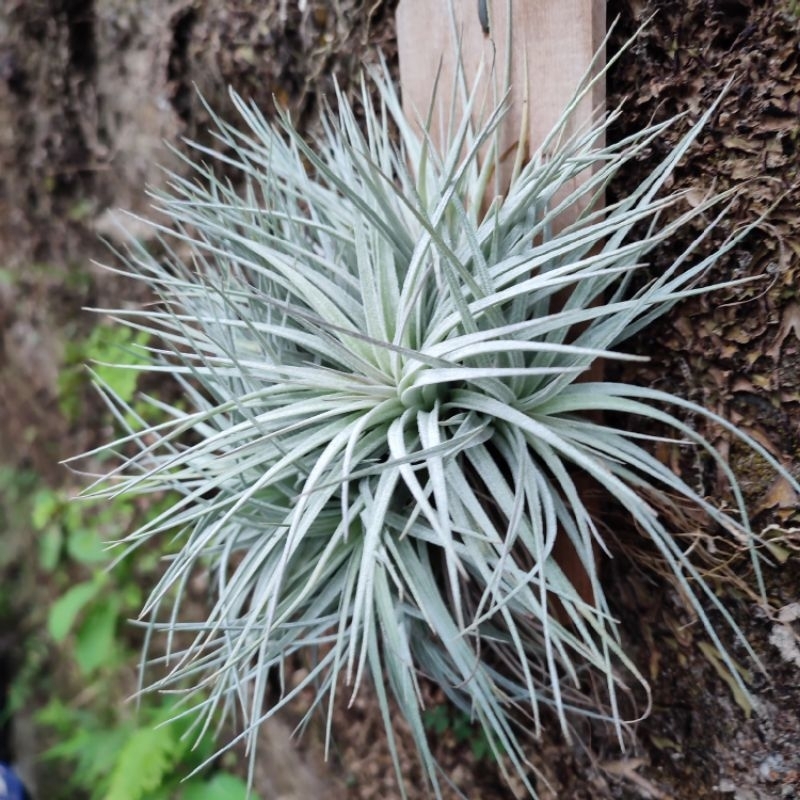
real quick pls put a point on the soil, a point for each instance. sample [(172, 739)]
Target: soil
[(89, 93)]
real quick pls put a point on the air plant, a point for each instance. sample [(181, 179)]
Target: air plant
[(385, 413)]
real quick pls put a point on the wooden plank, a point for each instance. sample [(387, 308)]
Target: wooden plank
[(548, 49), (555, 40)]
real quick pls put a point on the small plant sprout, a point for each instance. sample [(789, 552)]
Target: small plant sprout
[(381, 421)]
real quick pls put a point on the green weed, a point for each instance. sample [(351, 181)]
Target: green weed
[(114, 354)]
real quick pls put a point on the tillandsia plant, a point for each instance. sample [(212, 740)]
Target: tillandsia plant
[(382, 423)]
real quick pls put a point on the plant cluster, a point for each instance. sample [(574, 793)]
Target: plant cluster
[(104, 745), (385, 414), (114, 749)]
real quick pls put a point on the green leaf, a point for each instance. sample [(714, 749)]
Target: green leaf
[(46, 503), (85, 546), (221, 786), (480, 747), (437, 719), (65, 610), (50, 544), (144, 764), (86, 743), (95, 638)]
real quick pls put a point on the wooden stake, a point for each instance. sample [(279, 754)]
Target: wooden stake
[(546, 50), (542, 56)]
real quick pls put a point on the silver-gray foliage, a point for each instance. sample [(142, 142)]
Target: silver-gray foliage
[(383, 417)]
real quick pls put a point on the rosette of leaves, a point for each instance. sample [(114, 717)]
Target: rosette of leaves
[(383, 417)]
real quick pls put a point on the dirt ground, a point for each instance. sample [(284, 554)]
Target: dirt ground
[(90, 91)]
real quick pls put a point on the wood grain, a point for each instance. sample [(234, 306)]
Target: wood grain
[(542, 56), (544, 53)]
